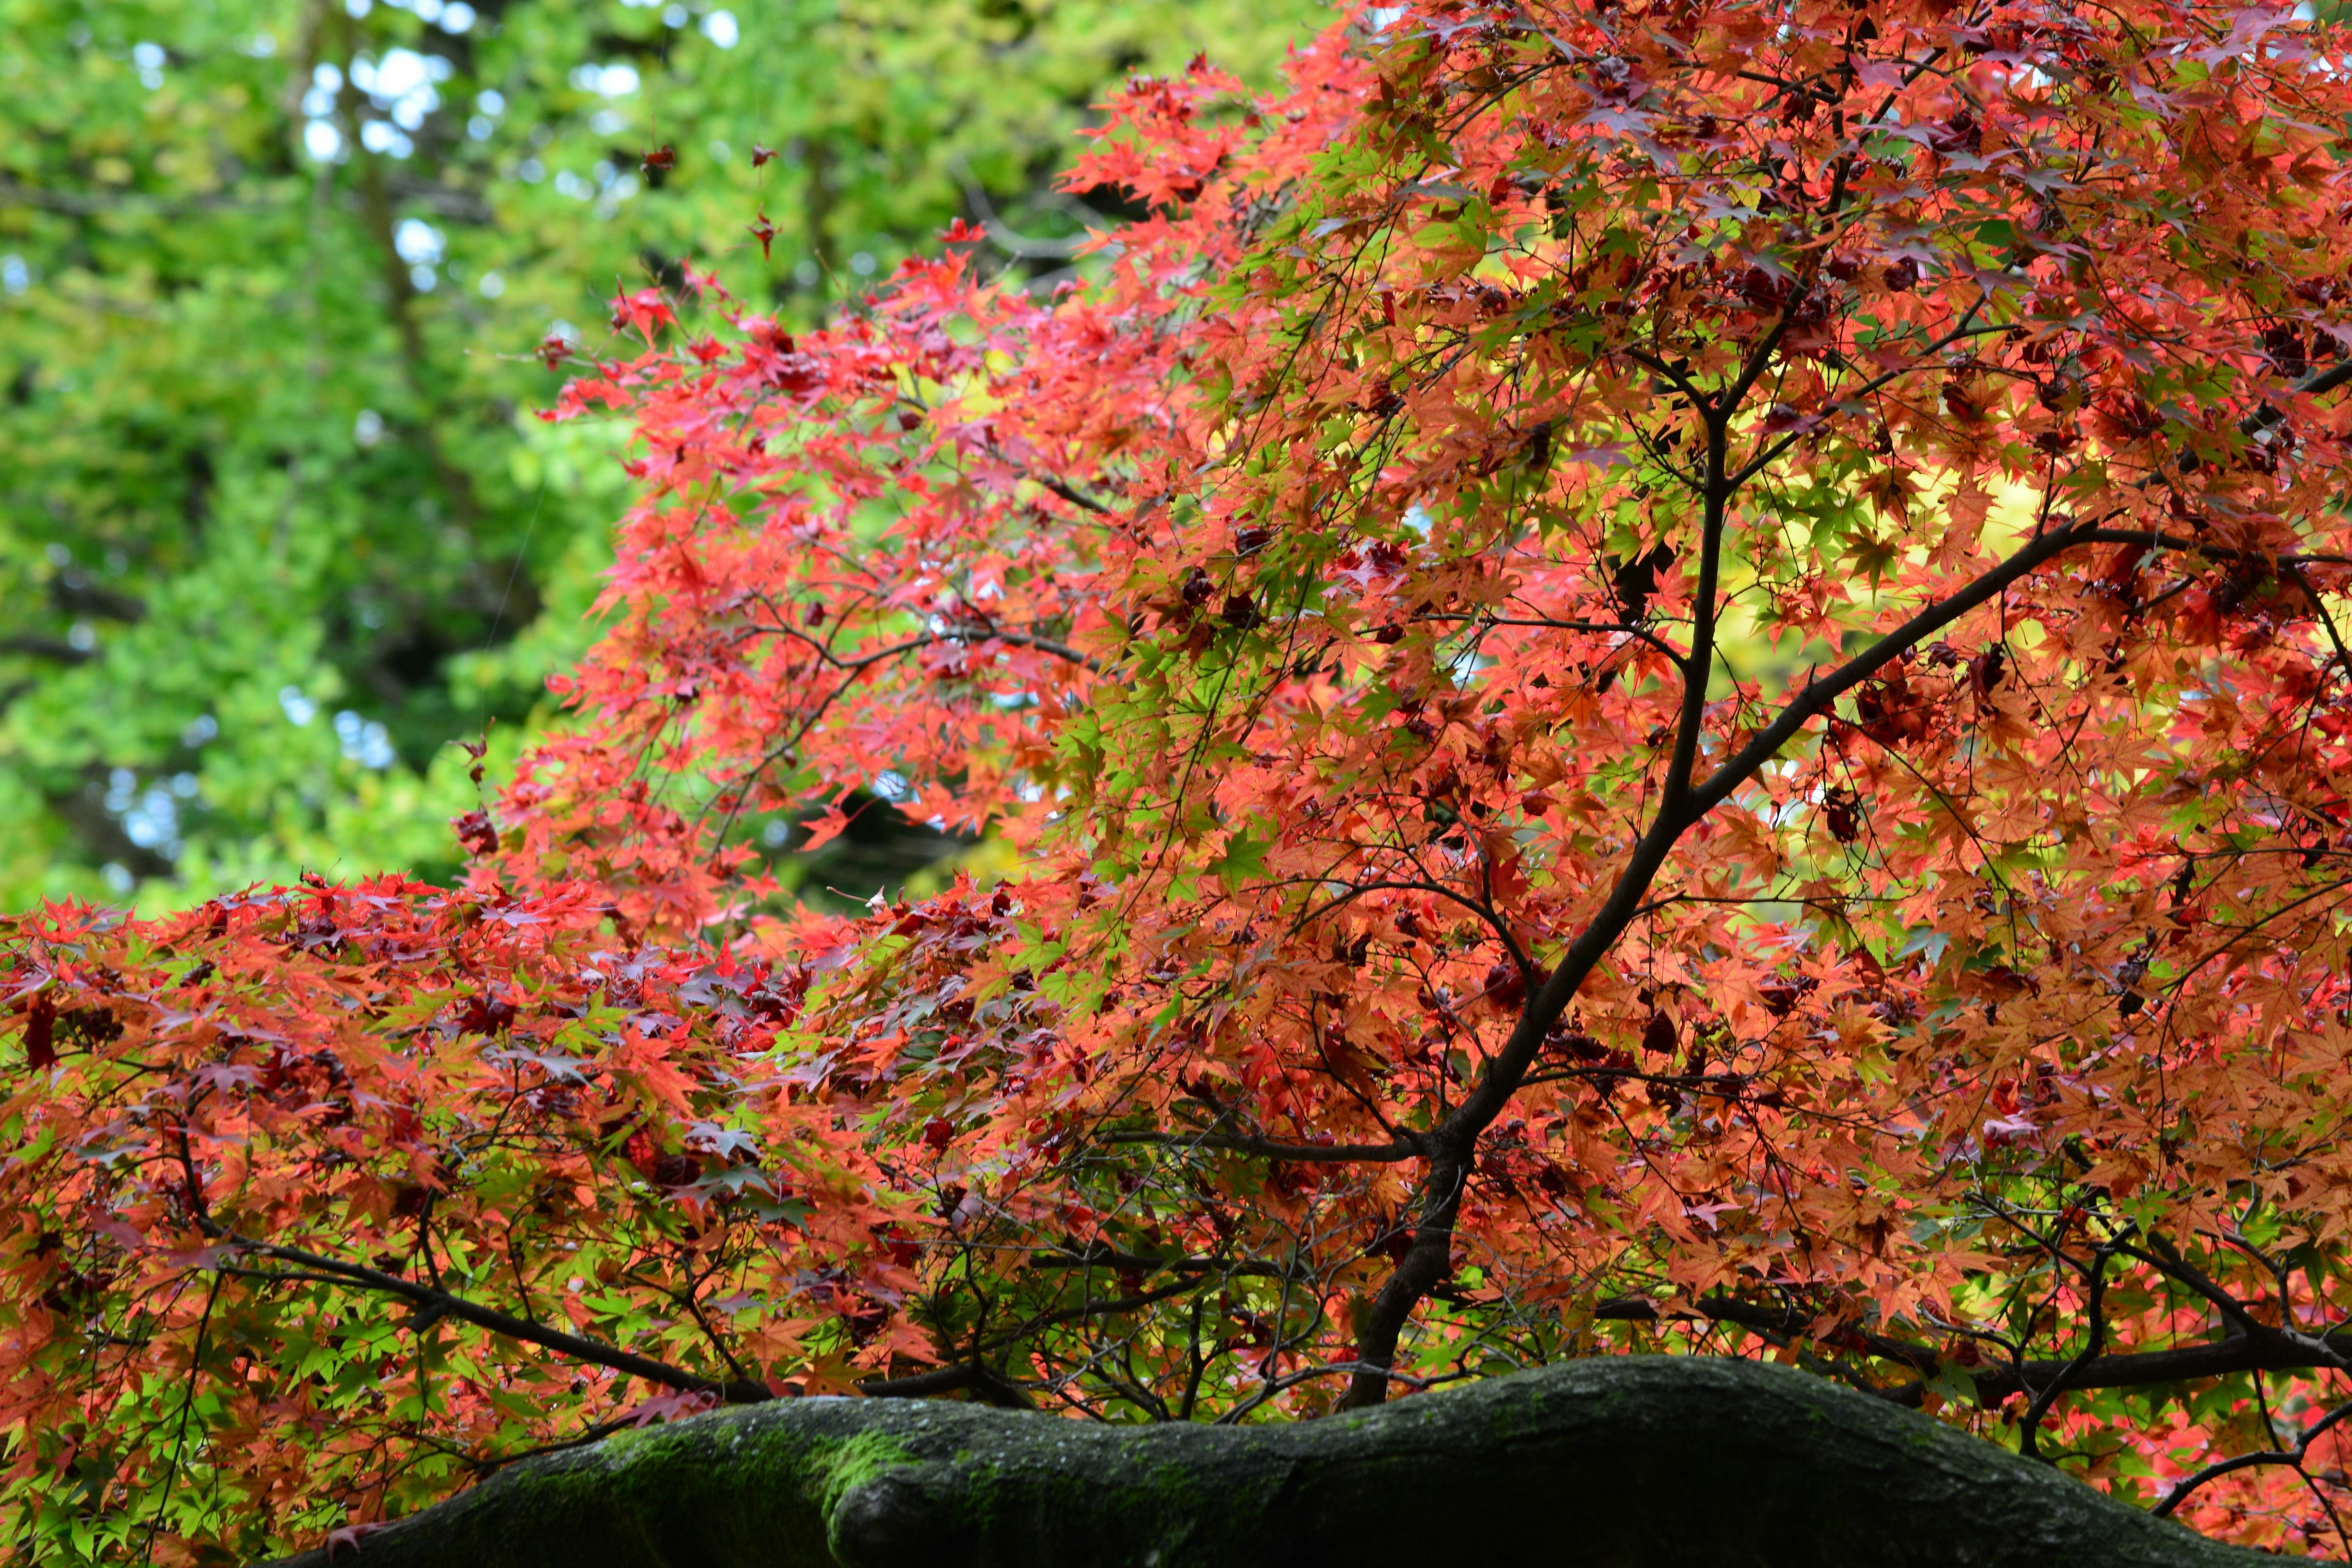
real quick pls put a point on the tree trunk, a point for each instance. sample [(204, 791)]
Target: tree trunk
[(1644, 1462)]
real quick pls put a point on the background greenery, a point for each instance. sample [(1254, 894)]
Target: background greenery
[(276, 523)]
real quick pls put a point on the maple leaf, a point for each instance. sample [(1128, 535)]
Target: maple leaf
[(1891, 490)]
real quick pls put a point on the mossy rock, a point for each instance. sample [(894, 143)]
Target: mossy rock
[(1632, 1462)]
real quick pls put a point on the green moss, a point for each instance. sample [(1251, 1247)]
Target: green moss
[(861, 1458), (833, 1469)]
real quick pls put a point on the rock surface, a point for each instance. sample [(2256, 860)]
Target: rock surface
[(1659, 1462)]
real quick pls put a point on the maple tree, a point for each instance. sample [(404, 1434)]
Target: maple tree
[(1659, 676)]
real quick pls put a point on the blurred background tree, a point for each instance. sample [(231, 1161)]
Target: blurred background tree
[(277, 277)]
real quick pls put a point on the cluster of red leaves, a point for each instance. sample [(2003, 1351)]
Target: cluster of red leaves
[(233, 1120), (1659, 671)]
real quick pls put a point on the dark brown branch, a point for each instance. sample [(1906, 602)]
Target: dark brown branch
[(2311, 385), (1546, 624), (967, 637), (2152, 539), (2220, 1467), (57, 650), (984, 1383), (2093, 1346), (1767, 1319), (1407, 1146), (432, 1304), (2265, 1351), (1090, 1308), (1072, 494), (1099, 1256)]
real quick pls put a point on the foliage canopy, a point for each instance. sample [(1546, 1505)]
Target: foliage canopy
[(1662, 673)]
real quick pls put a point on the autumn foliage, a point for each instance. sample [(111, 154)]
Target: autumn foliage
[(1658, 674)]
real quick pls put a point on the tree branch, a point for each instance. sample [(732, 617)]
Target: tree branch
[(432, 1303), (1406, 1146), (2266, 1350), (984, 1382)]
